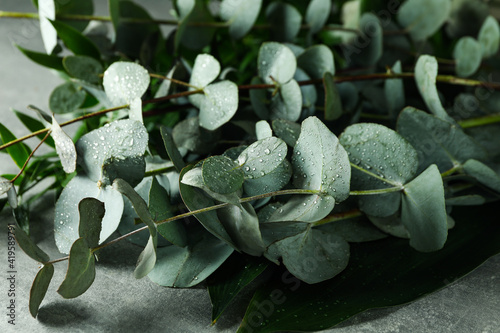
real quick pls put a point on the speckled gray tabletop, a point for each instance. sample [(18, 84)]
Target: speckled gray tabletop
[(117, 302)]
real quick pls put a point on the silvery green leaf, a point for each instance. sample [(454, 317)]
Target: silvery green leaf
[(423, 211), (262, 157), (124, 81), (489, 37), (468, 56), (391, 225), (47, 11), (218, 105), (5, 185), (147, 259), (272, 181), (423, 17), (354, 230), (285, 20), (184, 7), (39, 287), (394, 91), (205, 70), (240, 14), (67, 217), (287, 103), (317, 14), (308, 92), (164, 87), (135, 110), (426, 71), (305, 208), (316, 61), (286, 130), (189, 135), (222, 175), (483, 174), (263, 130), (276, 62), (65, 147)]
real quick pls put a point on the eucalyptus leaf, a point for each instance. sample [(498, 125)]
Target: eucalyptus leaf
[(483, 174), (371, 38), (276, 62), (135, 110), (222, 175), (240, 14), (308, 92), (188, 34), (218, 105), (317, 61), (354, 230), (84, 68), (263, 130), (270, 182), (188, 134), (20, 152), (466, 200), (39, 288), (394, 92), (423, 211), (205, 70), (5, 185), (467, 54), (287, 104), (66, 98), (46, 60), (81, 270), (147, 259), (124, 81), (317, 14), (65, 147), (262, 157), (489, 37), (259, 100), (391, 225), (333, 100), (35, 125), (172, 150), (27, 244), (47, 12), (285, 20), (91, 214), (423, 17), (75, 41), (287, 131)]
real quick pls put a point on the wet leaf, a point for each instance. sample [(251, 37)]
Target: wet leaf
[(194, 178), (317, 14), (222, 175), (218, 105), (262, 157), (286, 130), (91, 214), (317, 61), (287, 104), (489, 37), (276, 62), (205, 70), (270, 182), (467, 54), (65, 147), (285, 20), (423, 17), (39, 288), (83, 68), (240, 14), (125, 81), (81, 270)]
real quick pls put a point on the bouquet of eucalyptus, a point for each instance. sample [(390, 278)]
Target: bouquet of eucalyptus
[(337, 154)]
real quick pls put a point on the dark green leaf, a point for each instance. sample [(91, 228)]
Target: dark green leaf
[(192, 36), (66, 98), (259, 99), (172, 150), (423, 17), (333, 101), (28, 245), (222, 175), (81, 270), (34, 125), (285, 20), (91, 215), (371, 38), (76, 41), (317, 61), (50, 61), (194, 178), (240, 14), (484, 174), (75, 7), (19, 152), (39, 288), (286, 130), (84, 68)]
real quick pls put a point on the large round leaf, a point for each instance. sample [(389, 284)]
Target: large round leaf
[(222, 175), (423, 17), (240, 14), (316, 61), (124, 81), (276, 63), (218, 105)]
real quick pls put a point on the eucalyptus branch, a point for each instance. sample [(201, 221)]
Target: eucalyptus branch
[(378, 191), (480, 121), (339, 217), (385, 180), (182, 83)]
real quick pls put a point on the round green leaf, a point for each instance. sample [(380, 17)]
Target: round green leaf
[(489, 37), (483, 173), (84, 68), (188, 134), (273, 181), (285, 20), (222, 175), (276, 62), (394, 91), (240, 14), (263, 130), (287, 103), (66, 98), (262, 157), (205, 70), (218, 105), (317, 14), (423, 17), (316, 61), (286, 130), (124, 81), (467, 54)]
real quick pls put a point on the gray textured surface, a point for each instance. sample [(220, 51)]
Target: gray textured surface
[(119, 303)]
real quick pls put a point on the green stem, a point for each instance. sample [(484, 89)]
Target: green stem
[(480, 121), (376, 176), (29, 158), (378, 191), (182, 83), (158, 171), (339, 217), (451, 171)]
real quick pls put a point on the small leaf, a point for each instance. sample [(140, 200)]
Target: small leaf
[(91, 214), (194, 178), (317, 61), (426, 71), (467, 54), (66, 98), (489, 37), (262, 157), (81, 270), (483, 174), (188, 134), (64, 146), (19, 152), (34, 125), (76, 41), (317, 14), (423, 211), (49, 61), (47, 12), (188, 34), (39, 288), (222, 175), (147, 259), (423, 17), (286, 130), (5, 185), (287, 104), (394, 92), (125, 81), (205, 70), (333, 101), (188, 266), (218, 105), (285, 20), (240, 14), (276, 62), (263, 130), (83, 68), (172, 150)]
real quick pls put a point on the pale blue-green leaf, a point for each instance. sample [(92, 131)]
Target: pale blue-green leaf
[(314, 255), (391, 225), (47, 11), (423, 17), (263, 130), (437, 141), (317, 14), (371, 38), (65, 147), (222, 175), (259, 100), (466, 200), (242, 225), (309, 93), (483, 174), (172, 150), (305, 208), (394, 92), (270, 182), (120, 143), (316, 61), (489, 37), (147, 259), (98, 93), (135, 110), (188, 134), (39, 288), (354, 230), (184, 7), (423, 211), (262, 157), (91, 214), (287, 131), (276, 231), (186, 267), (205, 70), (66, 219), (467, 54), (66, 98), (426, 71), (81, 270), (240, 14), (164, 87), (124, 81), (189, 33), (333, 100), (276, 62), (296, 49), (218, 105), (285, 20), (12, 198), (383, 159), (83, 68), (5, 185), (287, 103)]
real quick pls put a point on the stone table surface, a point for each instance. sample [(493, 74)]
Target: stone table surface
[(117, 302)]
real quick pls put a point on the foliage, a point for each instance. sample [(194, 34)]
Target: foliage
[(293, 138)]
